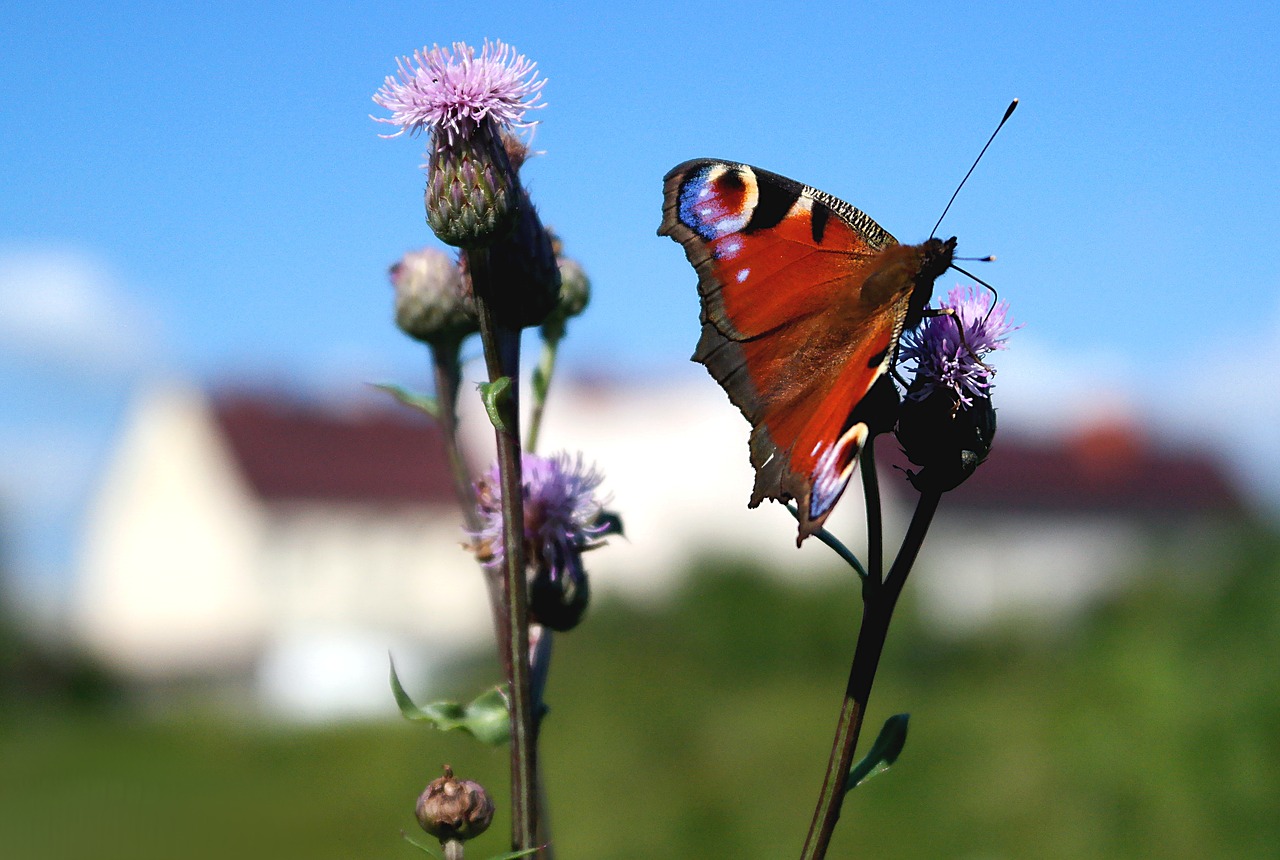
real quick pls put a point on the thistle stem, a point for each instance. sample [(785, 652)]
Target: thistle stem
[(879, 600), (502, 358), (448, 376), (875, 523), (542, 383)]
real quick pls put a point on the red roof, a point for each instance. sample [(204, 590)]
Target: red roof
[(1110, 468), (289, 450)]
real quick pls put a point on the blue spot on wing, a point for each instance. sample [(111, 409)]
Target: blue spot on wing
[(705, 211)]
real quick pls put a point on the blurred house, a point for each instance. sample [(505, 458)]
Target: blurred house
[(292, 545), (275, 544), (1043, 528)]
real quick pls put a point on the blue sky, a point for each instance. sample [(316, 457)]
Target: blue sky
[(200, 189)]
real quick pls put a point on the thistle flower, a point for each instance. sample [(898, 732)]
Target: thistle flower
[(433, 302), (947, 423), (944, 359), (455, 92), (562, 518), (465, 102)]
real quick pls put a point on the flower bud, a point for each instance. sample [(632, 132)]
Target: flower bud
[(575, 291), (454, 809), (433, 303), (518, 151), (947, 441), (473, 193), (559, 592), (524, 285)]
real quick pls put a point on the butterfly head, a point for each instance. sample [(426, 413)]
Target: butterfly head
[(935, 256)]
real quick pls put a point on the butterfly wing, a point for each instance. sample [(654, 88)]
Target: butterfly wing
[(802, 307)]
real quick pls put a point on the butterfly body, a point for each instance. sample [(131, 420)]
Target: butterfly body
[(804, 298)]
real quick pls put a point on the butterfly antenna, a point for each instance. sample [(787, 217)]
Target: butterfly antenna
[(1008, 113)]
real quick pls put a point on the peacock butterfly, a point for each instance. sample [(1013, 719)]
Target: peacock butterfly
[(804, 299)]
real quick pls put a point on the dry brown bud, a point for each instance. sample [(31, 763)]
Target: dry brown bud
[(454, 809)]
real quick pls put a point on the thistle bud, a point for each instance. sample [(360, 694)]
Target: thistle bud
[(948, 442), (575, 293), (559, 591), (524, 278), (433, 302), (465, 101), (473, 194), (452, 809)]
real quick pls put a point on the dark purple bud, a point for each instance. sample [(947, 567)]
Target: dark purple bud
[(559, 591), (947, 441)]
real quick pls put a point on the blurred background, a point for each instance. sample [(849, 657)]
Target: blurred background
[(212, 531)]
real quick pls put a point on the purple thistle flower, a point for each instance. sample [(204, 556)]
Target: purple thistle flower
[(454, 91), (561, 512), (944, 361)]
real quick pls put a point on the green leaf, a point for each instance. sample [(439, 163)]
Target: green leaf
[(424, 849), (514, 854), (541, 380), (486, 717), (883, 753), (421, 402), (497, 400)]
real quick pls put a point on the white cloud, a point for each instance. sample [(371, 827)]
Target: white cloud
[(1041, 390), (62, 309), (1215, 395)]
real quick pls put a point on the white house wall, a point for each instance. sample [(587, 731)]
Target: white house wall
[(168, 558)]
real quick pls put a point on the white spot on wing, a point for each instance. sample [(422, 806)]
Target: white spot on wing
[(827, 482), (743, 274)]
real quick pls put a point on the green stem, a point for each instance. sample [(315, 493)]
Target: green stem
[(875, 524), (846, 555), (448, 377), (879, 601), (502, 358), (542, 382)]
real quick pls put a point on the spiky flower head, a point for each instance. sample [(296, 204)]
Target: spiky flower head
[(452, 92), (465, 102), (562, 519), (433, 302), (948, 351), (947, 423)]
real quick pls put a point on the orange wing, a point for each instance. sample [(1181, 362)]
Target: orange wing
[(804, 298)]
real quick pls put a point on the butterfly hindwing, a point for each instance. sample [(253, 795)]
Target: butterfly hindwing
[(802, 308)]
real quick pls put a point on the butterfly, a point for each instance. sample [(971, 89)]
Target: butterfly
[(804, 299)]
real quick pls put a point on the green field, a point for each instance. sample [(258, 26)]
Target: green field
[(700, 729)]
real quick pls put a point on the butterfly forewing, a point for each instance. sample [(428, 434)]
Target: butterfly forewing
[(794, 327)]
